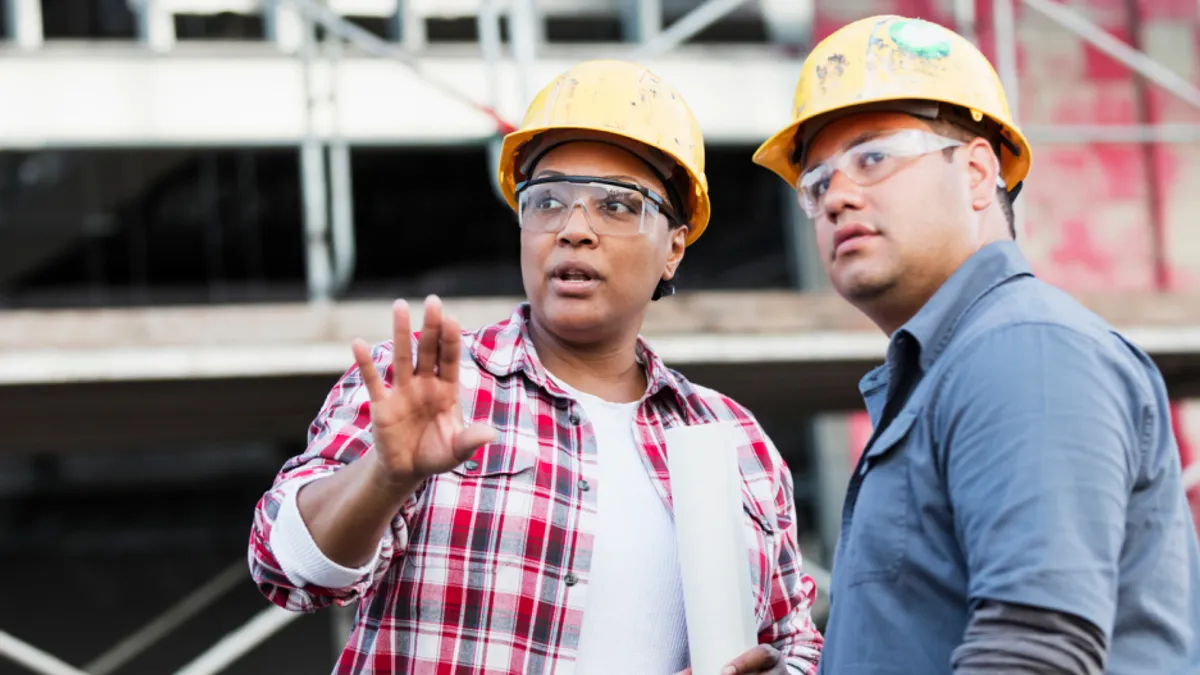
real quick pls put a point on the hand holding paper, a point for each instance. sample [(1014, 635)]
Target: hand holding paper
[(760, 660)]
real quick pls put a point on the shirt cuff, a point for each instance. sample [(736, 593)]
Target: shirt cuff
[(301, 560)]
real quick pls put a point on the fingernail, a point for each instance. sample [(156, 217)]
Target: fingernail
[(729, 670)]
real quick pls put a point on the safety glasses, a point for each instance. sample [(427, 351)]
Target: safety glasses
[(610, 207), (868, 163)]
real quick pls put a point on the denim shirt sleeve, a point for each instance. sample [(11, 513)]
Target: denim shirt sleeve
[(1041, 426)]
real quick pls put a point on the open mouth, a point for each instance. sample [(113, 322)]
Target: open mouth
[(574, 275), (573, 278)]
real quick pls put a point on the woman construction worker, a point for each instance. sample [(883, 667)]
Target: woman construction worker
[(498, 502), (1019, 507)]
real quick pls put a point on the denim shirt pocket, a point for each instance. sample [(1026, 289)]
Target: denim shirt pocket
[(878, 529)]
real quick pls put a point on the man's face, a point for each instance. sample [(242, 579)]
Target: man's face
[(904, 232), (583, 285)]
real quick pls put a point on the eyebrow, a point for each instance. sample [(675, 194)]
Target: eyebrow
[(864, 137), (859, 140)]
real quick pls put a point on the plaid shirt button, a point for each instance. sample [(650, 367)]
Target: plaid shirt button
[(571, 579)]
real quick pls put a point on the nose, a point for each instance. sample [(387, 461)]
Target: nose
[(577, 231), (842, 194)]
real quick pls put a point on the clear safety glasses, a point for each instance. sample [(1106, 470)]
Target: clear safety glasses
[(610, 207), (868, 163)]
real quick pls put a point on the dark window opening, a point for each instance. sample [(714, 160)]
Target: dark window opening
[(88, 20), (223, 26)]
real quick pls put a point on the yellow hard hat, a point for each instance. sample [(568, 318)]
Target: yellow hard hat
[(623, 102), (894, 59)]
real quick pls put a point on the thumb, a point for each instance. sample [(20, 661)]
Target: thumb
[(470, 439)]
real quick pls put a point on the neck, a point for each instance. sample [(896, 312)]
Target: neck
[(607, 369), (895, 306), (889, 316)]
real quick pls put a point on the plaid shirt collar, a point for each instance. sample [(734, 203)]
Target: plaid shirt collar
[(505, 348)]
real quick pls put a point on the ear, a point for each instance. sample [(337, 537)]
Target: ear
[(983, 173), (678, 243)]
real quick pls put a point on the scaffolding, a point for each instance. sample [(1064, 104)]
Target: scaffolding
[(327, 187)]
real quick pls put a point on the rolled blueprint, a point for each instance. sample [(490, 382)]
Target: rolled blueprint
[(712, 539)]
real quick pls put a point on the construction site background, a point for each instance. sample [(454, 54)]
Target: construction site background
[(203, 201)]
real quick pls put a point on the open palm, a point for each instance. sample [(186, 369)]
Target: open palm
[(417, 422)]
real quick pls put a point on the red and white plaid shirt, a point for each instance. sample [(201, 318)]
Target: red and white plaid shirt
[(484, 569)]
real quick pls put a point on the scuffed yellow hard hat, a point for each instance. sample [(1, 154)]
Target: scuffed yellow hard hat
[(625, 102), (897, 59)]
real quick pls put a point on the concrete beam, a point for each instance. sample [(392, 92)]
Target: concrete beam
[(223, 341), (131, 377)]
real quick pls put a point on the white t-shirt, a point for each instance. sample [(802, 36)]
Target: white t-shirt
[(633, 619)]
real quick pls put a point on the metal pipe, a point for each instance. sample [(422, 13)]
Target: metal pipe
[(33, 658), (687, 27), (341, 194), (283, 25), (147, 636), (376, 46), (1006, 53), (23, 22), (643, 20), (1105, 42), (312, 183), (526, 36), (413, 35), (1155, 197), (487, 23), (359, 36), (964, 20), (239, 642), (1004, 24), (156, 25), (341, 186)]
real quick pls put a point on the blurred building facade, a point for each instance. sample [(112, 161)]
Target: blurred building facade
[(203, 201)]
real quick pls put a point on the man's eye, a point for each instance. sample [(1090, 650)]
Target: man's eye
[(820, 187), (869, 159)]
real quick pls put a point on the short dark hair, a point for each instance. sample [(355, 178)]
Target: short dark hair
[(952, 130)]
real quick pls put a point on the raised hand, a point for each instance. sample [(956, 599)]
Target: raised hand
[(417, 423)]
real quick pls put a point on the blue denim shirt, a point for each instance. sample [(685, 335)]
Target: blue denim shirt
[(1022, 453)]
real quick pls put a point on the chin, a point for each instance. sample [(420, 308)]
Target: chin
[(860, 288), (573, 317)]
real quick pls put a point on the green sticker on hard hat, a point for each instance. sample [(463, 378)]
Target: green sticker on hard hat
[(920, 38)]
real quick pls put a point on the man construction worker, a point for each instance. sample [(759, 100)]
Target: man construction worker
[(501, 503), (1018, 507)]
